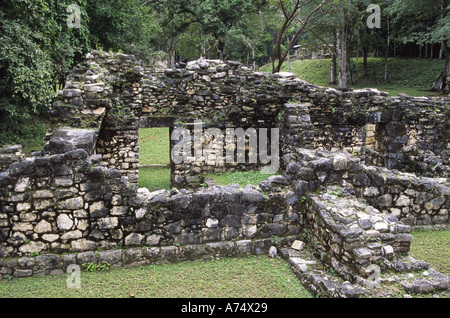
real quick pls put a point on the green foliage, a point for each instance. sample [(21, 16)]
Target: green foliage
[(93, 267), (26, 72), (29, 133), (230, 29), (36, 49), (420, 21), (124, 26)]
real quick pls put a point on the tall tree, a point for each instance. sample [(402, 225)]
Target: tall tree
[(424, 22), (37, 47), (126, 25), (300, 15), (216, 17)]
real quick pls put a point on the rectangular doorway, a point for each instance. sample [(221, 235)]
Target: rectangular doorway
[(154, 158)]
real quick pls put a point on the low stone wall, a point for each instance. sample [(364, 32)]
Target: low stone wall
[(350, 235), (411, 199), (56, 264), (71, 203)]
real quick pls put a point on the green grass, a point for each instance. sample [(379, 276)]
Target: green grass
[(410, 76), (245, 277), (154, 178), (242, 178), (432, 247), (154, 147)]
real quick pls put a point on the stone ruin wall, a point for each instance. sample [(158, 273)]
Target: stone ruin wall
[(80, 198), (121, 95)]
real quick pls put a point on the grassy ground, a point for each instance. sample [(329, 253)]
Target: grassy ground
[(154, 178), (154, 146), (154, 149), (432, 247), (240, 177), (410, 76), (246, 277)]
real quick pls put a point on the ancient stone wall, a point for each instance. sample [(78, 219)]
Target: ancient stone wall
[(395, 132), (336, 188)]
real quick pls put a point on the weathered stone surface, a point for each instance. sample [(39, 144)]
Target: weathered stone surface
[(64, 222), (82, 245), (134, 239), (71, 204), (43, 227), (65, 140), (47, 261), (32, 247)]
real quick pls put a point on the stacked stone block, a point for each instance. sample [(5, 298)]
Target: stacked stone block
[(10, 154)]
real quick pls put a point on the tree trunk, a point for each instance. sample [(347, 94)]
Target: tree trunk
[(442, 83), (446, 84), (365, 53), (221, 48), (342, 51), (262, 20), (333, 74)]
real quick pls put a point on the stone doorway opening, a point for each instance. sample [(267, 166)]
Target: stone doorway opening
[(154, 158)]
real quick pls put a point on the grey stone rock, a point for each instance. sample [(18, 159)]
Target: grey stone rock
[(26, 262), (277, 179), (65, 140), (86, 258), (339, 163), (47, 261), (108, 223), (365, 224), (23, 273), (82, 245), (301, 187), (321, 165), (64, 222), (43, 227), (32, 247), (273, 252), (71, 204), (134, 239), (251, 196), (384, 201)]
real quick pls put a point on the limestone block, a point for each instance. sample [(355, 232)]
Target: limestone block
[(43, 227), (339, 163), (32, 247), (134, 239), (108, 223), (72, 235), (64, 222), (71, 204), (82, 245)]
